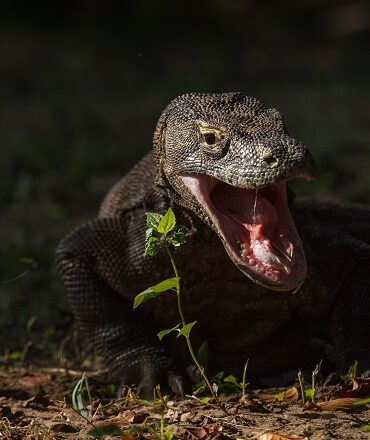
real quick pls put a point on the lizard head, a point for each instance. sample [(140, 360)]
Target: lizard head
[(227, 158)]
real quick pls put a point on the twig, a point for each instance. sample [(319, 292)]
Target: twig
[(158, 391), (244, 385), (81, 415), (300, 380)]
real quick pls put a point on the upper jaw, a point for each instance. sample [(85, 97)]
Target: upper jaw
[(256, 228)]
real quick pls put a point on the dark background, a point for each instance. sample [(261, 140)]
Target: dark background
[(81, 88)]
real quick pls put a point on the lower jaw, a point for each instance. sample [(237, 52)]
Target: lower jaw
[(275, 281)]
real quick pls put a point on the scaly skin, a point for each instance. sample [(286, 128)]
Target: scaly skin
[(318, 289)]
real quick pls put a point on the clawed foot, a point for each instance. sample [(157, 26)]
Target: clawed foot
[(176, 382)]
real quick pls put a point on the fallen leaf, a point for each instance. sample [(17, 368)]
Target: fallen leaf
[(213, 429), (39, 400), (358, 388), (106, 429), (32, 381), (63, 427), (5, 411), (185, 417), (14, 394), (11, 415), (276, 436), (331, 405), (172, 415), (290, 394), (190, 433), (338, 404), (198, 432), (122, 419), (139, 418)]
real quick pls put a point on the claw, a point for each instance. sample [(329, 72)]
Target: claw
[(176, 383), (194, 373)]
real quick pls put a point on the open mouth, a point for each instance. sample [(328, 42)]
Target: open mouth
[(256, 228)]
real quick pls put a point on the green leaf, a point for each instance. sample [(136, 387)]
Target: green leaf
[(153, 219), (151, 246), (167, 223), (232, 379), (15, 355), (364, 428), (203, 354), (78, 402), (165, 332), (219, 375), (153, 291), (101, 431), (206, 399), (185, 331), (364, 401), (177, 237), (310, 393), (168, 433)]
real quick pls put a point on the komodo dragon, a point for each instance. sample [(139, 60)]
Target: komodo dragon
[(262, 273)]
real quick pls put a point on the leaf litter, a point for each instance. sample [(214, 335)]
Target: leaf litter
[(37, 405)]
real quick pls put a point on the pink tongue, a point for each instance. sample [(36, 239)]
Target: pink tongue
[(246, 207)]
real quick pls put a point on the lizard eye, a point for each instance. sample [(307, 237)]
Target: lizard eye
[(213, 141), (210, 138)]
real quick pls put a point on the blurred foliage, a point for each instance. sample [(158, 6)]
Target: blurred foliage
[(81, 87)]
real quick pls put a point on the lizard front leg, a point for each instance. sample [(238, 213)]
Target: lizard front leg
[(92, 261)]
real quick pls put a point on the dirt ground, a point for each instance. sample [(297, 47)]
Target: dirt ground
[(37, 403)]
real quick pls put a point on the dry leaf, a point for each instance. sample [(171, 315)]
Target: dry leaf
[(32, 381), (290, 394), (139, 418), (198, 432), (358, 388), (311, 406), (37, 401), (63, 427), (331, 405), (190, 432), (338, 404), (213, 429), (124, 418), (276, 436)]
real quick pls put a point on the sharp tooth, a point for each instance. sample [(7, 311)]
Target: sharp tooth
[(281, 251), (288, 270)]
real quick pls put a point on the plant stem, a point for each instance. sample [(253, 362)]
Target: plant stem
[(244, 385), (300, 380), (314, 375), (188, 342)]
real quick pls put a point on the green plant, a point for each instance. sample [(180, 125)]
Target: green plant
[(163, 232), (310, 392), (78, 397), (351, 375), (234, 381)]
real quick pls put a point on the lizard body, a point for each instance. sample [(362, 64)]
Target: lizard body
[(259, 278)]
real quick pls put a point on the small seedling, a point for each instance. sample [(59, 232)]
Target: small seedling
[(80, 391), (236, 383), (310, 392), (163, 232), (351, 375)]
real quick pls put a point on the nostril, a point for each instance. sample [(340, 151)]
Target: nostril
[(270, 159)]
